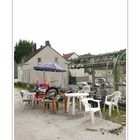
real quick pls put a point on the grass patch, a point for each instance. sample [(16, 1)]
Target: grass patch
[(21, 88), (115, 117)]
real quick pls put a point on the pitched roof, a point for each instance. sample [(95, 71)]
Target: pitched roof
[(68, 55), (28, 57), (57, 53), (36, 52)]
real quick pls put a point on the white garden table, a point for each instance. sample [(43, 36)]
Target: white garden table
[(73, 95)]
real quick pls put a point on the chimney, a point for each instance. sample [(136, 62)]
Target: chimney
[(47, 43), (41, 46)]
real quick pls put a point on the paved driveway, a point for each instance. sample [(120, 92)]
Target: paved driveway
[(35, 125)]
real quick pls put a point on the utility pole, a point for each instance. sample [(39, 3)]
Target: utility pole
[(93, 76), (106, 73)]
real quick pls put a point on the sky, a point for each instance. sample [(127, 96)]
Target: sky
[(80, 26)]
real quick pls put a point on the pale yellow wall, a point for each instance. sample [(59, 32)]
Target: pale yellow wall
[(47, 55)]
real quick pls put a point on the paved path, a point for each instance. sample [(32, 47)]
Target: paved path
[(35, 125)]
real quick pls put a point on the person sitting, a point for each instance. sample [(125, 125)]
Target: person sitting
[(103, 95), (99, 94), (95, 95)]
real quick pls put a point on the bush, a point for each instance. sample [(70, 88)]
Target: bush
[(24, 85)]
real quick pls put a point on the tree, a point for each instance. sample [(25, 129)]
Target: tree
[(22, 49)]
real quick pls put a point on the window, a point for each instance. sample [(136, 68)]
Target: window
[(39, 60), (56, 59)]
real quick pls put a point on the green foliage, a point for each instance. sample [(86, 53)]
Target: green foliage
[(23, 85), (20, 85), (22, 49), (115, 117)]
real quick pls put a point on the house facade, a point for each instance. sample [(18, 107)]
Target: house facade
[(79, 74), (44, 54)]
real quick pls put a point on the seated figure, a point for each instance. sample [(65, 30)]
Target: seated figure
[(104, 93), (99, 94)]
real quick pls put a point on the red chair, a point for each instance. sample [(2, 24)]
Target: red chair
[(42, 95)]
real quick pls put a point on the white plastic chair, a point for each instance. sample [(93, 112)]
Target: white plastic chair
[(85, 89), (25, 96), (112, 100), (91, 110)]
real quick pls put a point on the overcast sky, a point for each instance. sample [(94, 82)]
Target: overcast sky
[(81, 26)]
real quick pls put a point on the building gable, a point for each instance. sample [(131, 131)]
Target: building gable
[(32, 55), (70, 56)]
